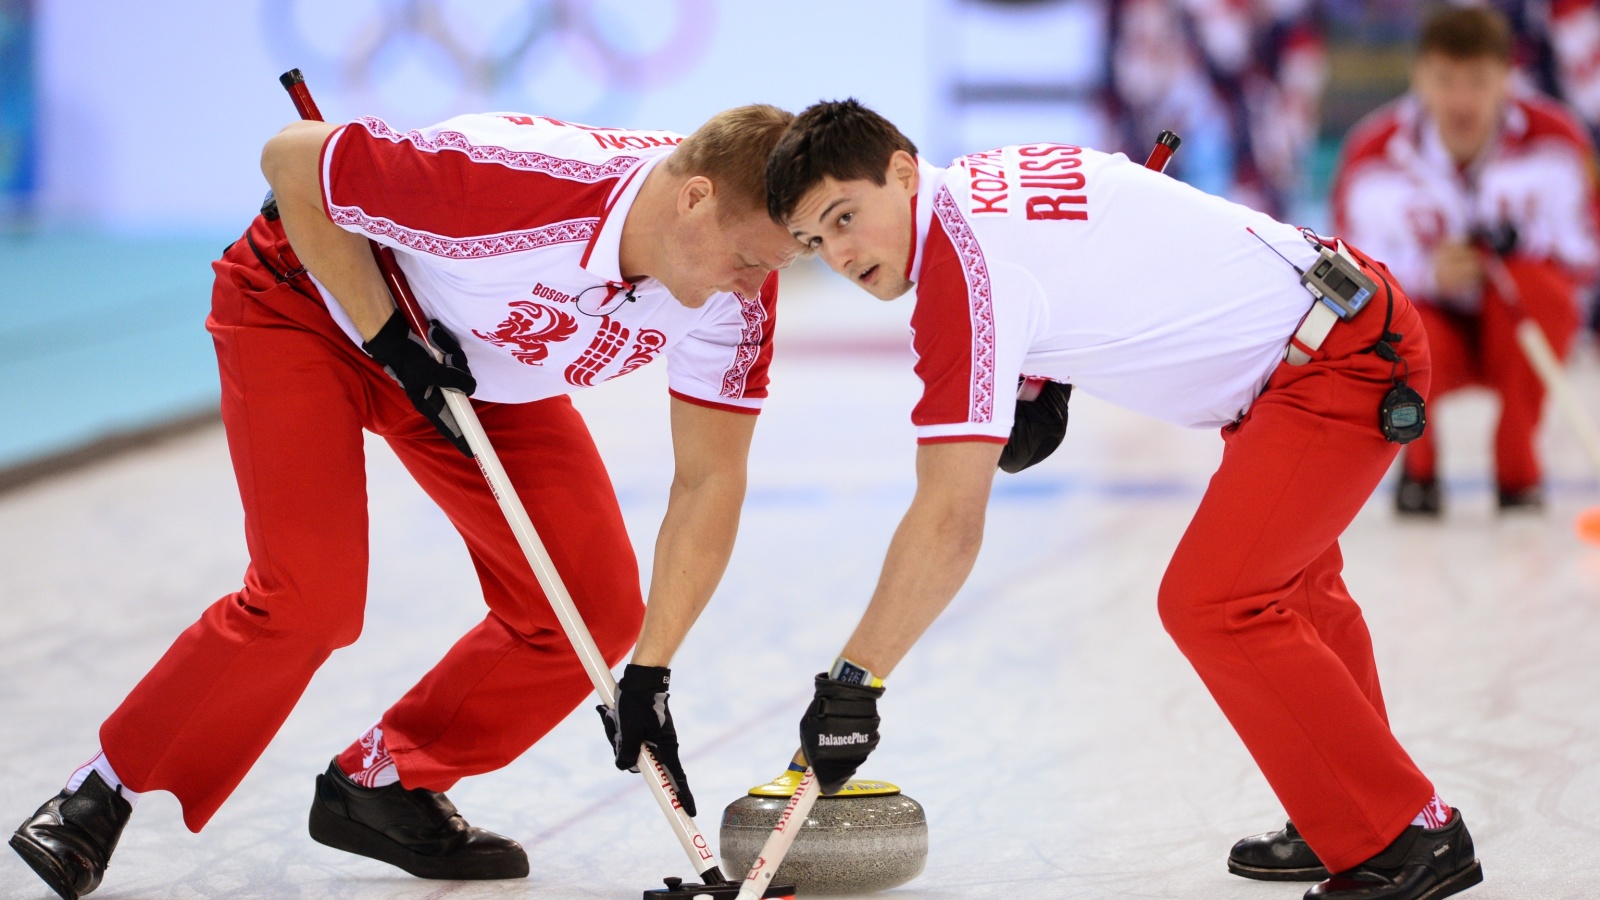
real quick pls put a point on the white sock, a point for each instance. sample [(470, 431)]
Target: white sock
[(367, 762), (107, 774), (1434, 815)]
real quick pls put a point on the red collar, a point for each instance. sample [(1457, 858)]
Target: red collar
[(605, 215)]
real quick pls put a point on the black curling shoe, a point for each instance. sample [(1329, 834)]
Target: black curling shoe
[(1421, 864), (68, 842), (1526, 500), (1418, 499), (417, 830), (1276, 856)]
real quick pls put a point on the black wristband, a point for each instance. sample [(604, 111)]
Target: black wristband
[(840, 698)]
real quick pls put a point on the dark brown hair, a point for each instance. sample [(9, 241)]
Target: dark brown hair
[(839, 139), (731, 149), (1466, 32)]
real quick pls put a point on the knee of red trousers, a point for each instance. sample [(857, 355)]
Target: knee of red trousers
[(1192, 620), (1202, 616), (609, 600), (328, 613), (606, 598)]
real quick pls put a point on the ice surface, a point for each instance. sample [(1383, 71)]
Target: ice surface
[(1061, 745)]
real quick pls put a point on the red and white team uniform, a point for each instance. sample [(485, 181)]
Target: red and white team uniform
[(508, 230), (1399, 194), (1017, 223), (521, 265), (1055, 261)]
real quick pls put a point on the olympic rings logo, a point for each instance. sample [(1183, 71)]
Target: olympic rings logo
[(420, 60)]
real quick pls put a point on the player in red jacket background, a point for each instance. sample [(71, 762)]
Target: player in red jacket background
[(1480, 196)]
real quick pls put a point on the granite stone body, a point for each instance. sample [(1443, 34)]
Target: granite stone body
[(847, 845)]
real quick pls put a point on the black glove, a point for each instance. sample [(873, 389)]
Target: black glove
[(839, 730), (643, 719), (1040, 425), (422, 376), (1500, 238)]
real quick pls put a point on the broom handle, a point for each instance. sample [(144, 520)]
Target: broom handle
[(1544, 361), (790, 821), (1167, 143)]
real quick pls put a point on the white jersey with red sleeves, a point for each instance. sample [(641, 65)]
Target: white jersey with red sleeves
[(1398, 194), (508, 228), (1065, 263)]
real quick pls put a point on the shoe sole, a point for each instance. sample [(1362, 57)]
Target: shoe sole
[(1456, 883), (1259, 874), (45, 866), (352, 837)]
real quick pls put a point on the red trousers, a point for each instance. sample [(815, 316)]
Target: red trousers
[(1482, 349), (1254, 598), (296, 395)]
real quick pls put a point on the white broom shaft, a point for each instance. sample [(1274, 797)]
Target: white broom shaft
[(1544, 361), (688, 834), (693, 842), (532, 547), (544, 571), (790, 821)]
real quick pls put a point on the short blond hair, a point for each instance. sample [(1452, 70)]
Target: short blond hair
[(731, 149)]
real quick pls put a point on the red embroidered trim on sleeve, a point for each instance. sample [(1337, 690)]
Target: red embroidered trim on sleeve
[(570, 231), (750, 345), (523, 160), (976, 270)]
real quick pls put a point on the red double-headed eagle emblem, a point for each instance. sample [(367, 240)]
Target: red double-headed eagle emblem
[(530, 329)]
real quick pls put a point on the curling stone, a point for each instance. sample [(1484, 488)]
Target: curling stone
[(867, 837)]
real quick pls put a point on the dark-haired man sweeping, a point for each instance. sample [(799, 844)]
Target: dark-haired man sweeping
[(1057, 262)]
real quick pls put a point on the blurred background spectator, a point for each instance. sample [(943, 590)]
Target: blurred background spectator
[(1240, 80), (1558, 50)]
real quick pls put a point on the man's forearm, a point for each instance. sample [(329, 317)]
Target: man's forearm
[(932, 554), (692, 552), (341, 260)]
